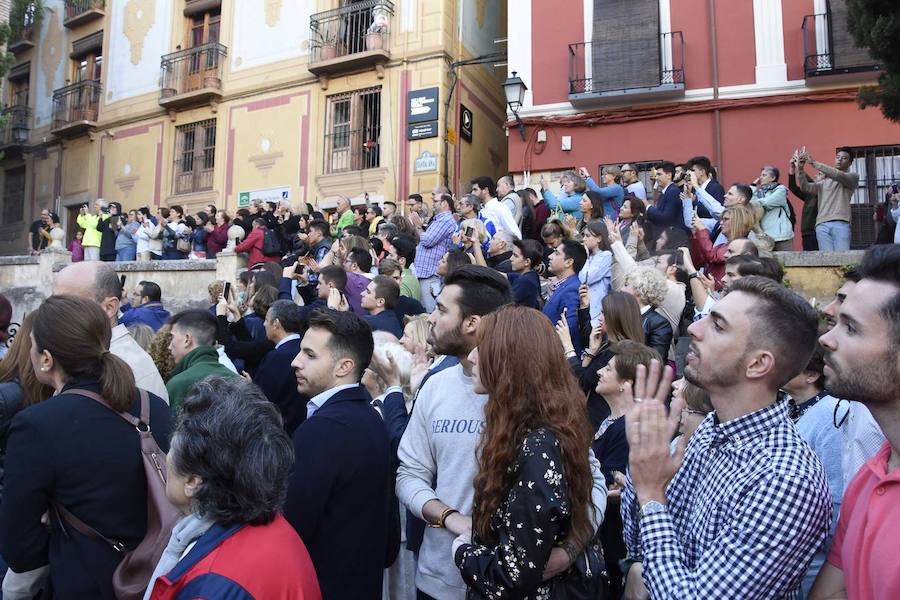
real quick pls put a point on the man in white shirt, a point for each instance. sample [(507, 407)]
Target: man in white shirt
[(493, 209), (632, 184), (506, 191), (98, 281)]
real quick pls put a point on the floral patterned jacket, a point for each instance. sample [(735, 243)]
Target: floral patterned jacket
[(533, 518)]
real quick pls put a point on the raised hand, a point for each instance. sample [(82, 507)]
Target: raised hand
[(650, 431), (386, 368), (584, 296)]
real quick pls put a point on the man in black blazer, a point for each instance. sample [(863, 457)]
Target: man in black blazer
[(284, 327), (667, 211), (339, 490)]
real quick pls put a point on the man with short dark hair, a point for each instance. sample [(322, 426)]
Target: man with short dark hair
[(380, 299), (338, 492), (388, 209), (862, 361), (565, 263), (285, 324), (433, 244), (491, 208), (146, 307), (667, 212), (193, 348), (765, 503), (406, 305), (834, 187)]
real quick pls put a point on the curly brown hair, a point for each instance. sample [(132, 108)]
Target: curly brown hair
[(525, 395), (160, 353)]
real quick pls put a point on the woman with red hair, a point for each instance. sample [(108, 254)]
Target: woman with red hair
[(533, 487)]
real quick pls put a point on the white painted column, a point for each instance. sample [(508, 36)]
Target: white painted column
[(665, 26), (518, 49), (769, 34), (588, 37), (820, 7)]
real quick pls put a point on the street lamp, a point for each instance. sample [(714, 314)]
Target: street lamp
[(515, 88)]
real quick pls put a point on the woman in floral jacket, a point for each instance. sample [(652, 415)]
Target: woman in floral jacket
[(533, 487)]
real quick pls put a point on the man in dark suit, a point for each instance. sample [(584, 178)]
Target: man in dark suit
[(380, 299), (667, 211), (284, 326), (339, 491)]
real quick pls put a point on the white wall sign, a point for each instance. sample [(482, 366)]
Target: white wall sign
[(426, 162)]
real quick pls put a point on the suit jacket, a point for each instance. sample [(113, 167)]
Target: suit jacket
[(657, 332), (338, 494), (276, 379), (667, 211), (74, 451), (566, 296)]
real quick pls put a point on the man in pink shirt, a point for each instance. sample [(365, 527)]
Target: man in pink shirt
[(863, 362)]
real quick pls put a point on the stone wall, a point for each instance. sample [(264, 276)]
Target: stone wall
[(28, 280)]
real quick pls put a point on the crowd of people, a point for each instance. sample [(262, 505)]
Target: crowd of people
[(483, 397)]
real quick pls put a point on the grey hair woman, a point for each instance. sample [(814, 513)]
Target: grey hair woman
[(227, 473)]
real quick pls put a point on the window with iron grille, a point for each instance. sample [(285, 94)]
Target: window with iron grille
[(353, 131), (14, 196), (878, 168), (195, 157)]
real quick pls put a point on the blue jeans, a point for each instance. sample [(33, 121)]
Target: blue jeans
[(126, 254), (833, 236)]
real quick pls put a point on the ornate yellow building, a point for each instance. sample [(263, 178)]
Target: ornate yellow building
[(191, 102)]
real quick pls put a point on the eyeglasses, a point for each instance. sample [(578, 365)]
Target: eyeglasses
[(687, 411)]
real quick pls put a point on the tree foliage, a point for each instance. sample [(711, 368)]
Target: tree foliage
[(875, 24)]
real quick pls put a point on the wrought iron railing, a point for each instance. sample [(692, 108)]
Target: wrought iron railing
[(16, 125), (353, 141), (599, 69), (78, 7), (25, 33), (192, 69), (352, 29), (77, 102), (828, 48)]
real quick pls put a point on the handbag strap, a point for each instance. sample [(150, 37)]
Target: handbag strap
[(131, 419)]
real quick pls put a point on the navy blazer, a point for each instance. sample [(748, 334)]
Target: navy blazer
[(385, 321), (667, 211), (72, 450), (276, 379), (566, 296), (338, 494)]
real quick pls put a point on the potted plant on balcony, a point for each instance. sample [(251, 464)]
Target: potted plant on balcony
[(326, 41), (376, 31)]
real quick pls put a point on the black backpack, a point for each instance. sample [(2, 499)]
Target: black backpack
[(791, 214), (271, 243)]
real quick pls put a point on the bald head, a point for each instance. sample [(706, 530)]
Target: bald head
[(92, 280), (741, 247)]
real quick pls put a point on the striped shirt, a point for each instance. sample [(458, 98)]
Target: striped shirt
[(746, 512), (434, 243)]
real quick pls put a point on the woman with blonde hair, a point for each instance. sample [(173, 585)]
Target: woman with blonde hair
[(534, 482), (737, 222)]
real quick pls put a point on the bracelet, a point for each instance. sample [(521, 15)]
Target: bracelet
[(588, 353), (570, 354), (441, 522)]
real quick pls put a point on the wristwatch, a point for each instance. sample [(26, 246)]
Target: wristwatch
[(694, 275), (651, 508)]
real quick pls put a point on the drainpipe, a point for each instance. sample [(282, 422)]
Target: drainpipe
[(454, 77), (717, 115)]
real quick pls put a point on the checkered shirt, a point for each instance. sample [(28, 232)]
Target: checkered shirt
[(434, 243), (746, 512)]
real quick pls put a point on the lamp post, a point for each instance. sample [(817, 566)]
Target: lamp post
[(515, 88)]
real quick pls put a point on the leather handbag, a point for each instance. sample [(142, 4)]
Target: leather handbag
[(132, 576)]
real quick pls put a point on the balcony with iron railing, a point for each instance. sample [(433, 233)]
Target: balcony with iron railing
[(601, 73), (350, 38), (21, 39), (81, 12), (192, 76), (75, 108), (16, 127), (830, 53)]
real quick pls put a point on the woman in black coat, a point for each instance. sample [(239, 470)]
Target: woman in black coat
[(74, 451)]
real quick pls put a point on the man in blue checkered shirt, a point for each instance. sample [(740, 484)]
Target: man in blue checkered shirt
[(740, 512)]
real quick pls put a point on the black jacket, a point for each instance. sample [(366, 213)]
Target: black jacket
[(11, 397), (657, 332), (339, 494), (239, 343), (108, 236), (74, 451), (276, 379)]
